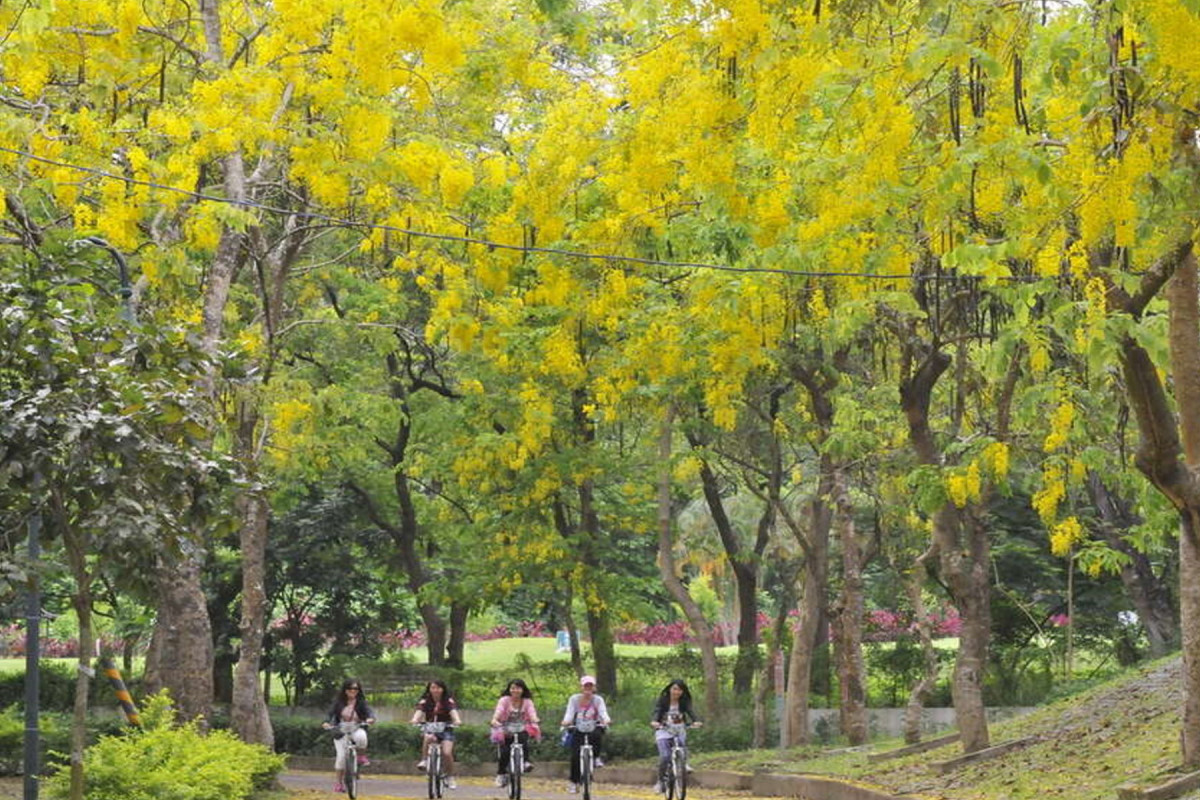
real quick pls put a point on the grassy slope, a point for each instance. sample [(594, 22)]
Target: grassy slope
[(1124, 731)]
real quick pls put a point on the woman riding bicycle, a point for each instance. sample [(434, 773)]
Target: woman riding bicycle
[(590, 706), (674, 706), (437, 705), (514, 706), (348, 713)]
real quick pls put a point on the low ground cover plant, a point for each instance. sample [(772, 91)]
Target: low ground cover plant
[(170, 761)]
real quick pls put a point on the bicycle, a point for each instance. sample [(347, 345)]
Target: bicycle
[(433, 759), (587, 757), (516, 758), (350, 771), (674, 782)]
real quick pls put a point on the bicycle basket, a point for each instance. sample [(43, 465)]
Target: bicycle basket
[(675, 728), (585, 725), (514, 727), (433, 727)]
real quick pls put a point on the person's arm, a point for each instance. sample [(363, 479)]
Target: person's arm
[(418, 716), (602, 711), (366, 714), (500, 705), (572, 709), (531, 714), (455, 719), (331, 718)]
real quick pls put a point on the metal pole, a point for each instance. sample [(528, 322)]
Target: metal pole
[(33, 621), (126, 290)]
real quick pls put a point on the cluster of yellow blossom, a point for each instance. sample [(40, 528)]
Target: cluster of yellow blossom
[(1066, 535)]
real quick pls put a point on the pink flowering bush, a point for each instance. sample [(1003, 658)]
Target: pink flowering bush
[(12, 644), (880, 626), (883, 625)]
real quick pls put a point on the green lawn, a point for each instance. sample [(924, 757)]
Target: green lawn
[(10, 665), (501, 653)]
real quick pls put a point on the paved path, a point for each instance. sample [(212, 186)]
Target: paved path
[(320, 784)]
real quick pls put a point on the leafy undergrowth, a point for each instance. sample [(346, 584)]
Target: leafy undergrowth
[(1083, 747)]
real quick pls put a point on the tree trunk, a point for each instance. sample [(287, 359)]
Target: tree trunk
[(766, 677), (248, 711), (805, 637), (967, 573), (1149, 593), (1183, 297), (923, 688), (745, 575), (573, 632), (701, 627), (184, 646), (604, 651), (76, 548), (963, 560), (850, 665), (435, 634), (455, 649), (1167, 462)]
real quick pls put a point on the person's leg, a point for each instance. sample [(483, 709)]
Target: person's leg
[(505, 751), (448, 755), (576, 743), (339, 763), (597, 741), (524, 737), (664, 758)]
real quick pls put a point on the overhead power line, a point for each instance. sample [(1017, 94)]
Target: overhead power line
[(471, 240)]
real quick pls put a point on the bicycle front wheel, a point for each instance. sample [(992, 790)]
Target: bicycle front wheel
[(351, 775), (516, 770), (679, 774), (433, 765), (585, 772)]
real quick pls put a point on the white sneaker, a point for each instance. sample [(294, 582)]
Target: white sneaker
[(658, 787), (450, 784), (572, 788), (502, 781), (422, 764)]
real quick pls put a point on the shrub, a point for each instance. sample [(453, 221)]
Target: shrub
[(56, 687), (165, 761), (54, 738)]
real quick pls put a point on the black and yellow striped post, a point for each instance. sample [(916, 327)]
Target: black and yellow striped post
[(118, 686)]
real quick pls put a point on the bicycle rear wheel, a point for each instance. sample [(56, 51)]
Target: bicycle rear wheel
[(679, 774)]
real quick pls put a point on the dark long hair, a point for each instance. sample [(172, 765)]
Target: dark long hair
[(427, 703), (664, 698), (341, 701), (525, 693)]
